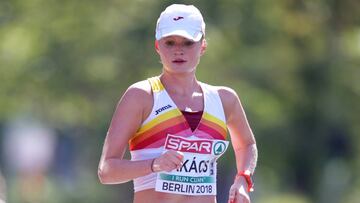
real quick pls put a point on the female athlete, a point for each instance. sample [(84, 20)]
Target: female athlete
[(176, 126)]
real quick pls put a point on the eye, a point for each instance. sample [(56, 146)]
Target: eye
[(189, 43), (169, 42)]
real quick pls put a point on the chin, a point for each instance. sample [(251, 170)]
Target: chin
[(180, 71)]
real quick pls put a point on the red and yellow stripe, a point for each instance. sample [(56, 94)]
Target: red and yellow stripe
[(213, 126), (173, 122), (170, 122)]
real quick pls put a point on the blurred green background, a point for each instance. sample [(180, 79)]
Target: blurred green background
[(294, 63)]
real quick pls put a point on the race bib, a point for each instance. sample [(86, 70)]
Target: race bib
[(197, 175)]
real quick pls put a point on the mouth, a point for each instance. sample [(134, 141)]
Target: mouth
[(179, 61)]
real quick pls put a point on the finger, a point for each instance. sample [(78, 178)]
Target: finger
[(241, 198), (162, 163), (174, 158), (176, 154), (243, 194), (169, 166), (180, 155), (231, 195)]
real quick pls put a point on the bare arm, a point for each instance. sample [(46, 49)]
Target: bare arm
[(242, 138), (127, 118), (132, 109)]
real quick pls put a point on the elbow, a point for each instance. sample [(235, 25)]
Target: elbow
[(106, 178), (102, 176)]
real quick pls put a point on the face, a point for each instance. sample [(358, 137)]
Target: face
[(179, 54)]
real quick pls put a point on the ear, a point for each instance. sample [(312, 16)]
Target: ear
[(203, 47), (157, 46)]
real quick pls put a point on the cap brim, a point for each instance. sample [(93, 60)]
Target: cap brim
[(193, 35)]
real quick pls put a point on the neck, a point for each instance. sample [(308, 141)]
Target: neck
[(182, 83)]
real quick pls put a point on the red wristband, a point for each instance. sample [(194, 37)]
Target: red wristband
[(247, 175)]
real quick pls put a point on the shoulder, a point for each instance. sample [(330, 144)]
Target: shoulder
[(138, 93), (227, 95), (141, 87), (138, 90), (137, 99)]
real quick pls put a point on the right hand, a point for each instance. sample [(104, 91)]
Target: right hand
[(168, 161)]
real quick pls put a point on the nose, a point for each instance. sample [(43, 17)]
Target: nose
[(179, 49)]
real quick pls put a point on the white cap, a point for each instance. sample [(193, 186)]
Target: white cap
[(181, 20)]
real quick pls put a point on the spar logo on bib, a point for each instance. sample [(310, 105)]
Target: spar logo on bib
[(188, 145), (219, 147)]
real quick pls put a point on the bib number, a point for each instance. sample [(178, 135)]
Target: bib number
[(197, 175)]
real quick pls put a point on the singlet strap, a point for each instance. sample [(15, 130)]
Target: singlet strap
[(156, 84)]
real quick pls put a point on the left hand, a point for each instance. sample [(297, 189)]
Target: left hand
[(238, 191)]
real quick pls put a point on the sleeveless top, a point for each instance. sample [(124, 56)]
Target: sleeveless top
[(165, 118)]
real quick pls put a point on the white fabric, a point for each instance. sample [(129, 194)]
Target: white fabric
[(197, 175), (148, 181), (181, 20), (212, 102), (212, 105)]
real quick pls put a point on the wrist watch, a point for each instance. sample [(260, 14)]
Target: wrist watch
[(248, 177)]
